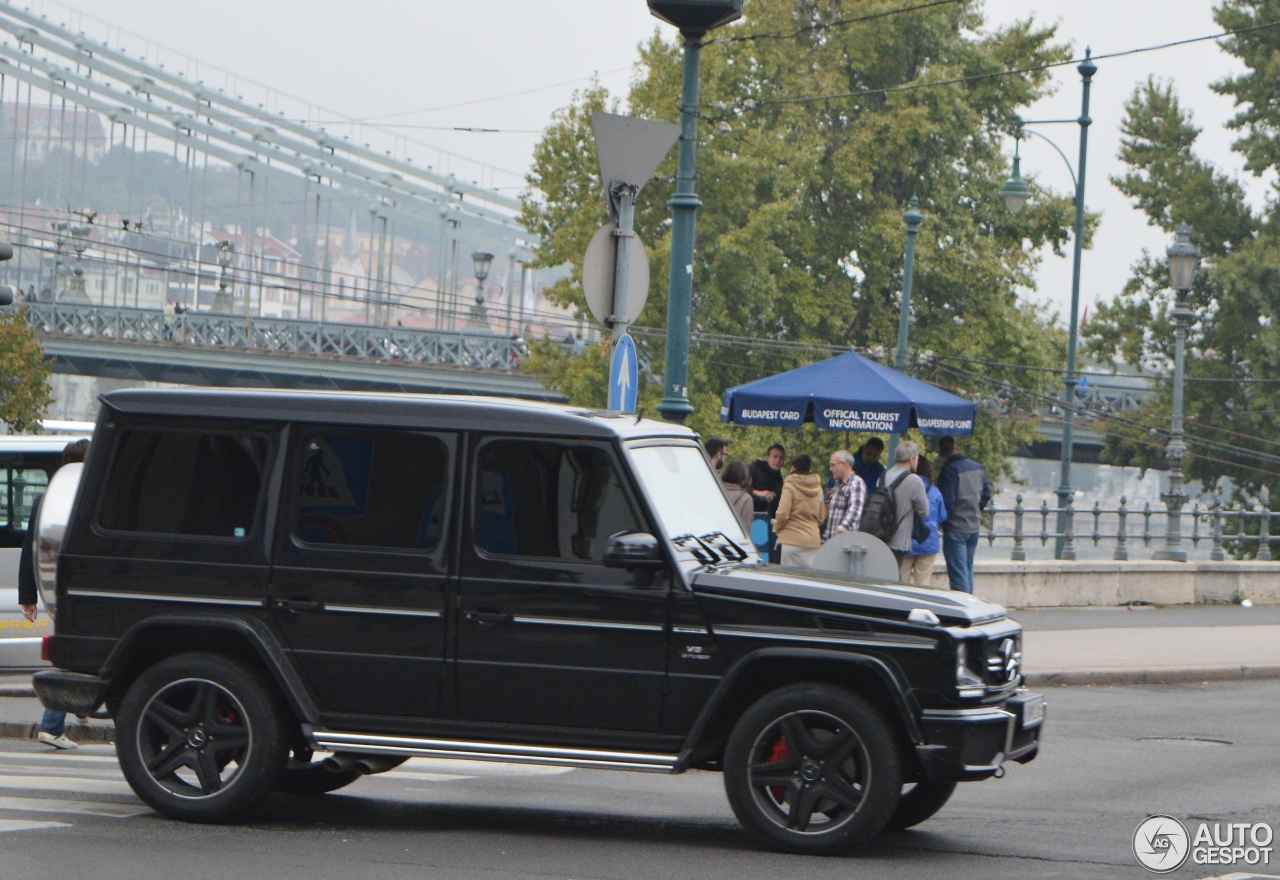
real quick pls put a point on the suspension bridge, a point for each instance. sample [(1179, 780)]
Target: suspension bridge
[(173, 222)]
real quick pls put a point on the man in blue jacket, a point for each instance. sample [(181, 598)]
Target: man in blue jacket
[(965, 492)]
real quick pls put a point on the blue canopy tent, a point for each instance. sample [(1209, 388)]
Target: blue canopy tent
[(849, 393)]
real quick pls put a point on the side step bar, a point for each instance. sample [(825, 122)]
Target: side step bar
[(337, 741)]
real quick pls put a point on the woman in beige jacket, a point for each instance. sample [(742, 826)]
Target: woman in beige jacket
[(801, 513), (737, 485)]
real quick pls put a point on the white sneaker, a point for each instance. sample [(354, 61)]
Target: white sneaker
[(58, 742)]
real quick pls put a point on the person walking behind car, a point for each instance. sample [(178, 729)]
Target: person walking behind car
[(53, 725), (965, 492), (737, 484), (866, 462), (848, 494), (766, 487), (909, 500), (801, 512), (924, 553), (717, 449)]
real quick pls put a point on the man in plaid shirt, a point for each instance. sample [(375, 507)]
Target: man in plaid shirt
[(847, 497)]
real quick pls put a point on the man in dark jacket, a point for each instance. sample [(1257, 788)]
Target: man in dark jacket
[(53, 726), (965, 491)]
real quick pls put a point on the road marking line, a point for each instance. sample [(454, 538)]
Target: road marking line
[(85, 808), (77, 784), (18, 825)]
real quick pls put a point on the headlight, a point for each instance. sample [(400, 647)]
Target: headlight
[(968, 685)]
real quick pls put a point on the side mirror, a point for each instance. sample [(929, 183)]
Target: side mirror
[(633, 550)]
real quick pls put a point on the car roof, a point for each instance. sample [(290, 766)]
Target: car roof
[(374, 408)]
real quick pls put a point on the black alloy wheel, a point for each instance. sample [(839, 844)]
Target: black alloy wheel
[(200, 738), (812, 769)]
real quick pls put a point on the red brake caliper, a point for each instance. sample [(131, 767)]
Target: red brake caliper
[(776, 754)]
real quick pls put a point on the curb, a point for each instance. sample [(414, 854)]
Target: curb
[(1152, 676), (78, 733), (106, 733)]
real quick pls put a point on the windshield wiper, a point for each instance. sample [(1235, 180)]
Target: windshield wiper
[(697, 548), (700, 548)]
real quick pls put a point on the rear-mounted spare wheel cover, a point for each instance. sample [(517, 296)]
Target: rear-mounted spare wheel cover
[(55, 513)]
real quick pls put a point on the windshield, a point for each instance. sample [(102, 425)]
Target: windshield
[(695, 515)]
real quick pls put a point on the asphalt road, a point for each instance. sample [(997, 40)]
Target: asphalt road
[(1113, 755)]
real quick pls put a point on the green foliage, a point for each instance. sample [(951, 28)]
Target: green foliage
[(809, 151), (1233, 342), (24, 376)]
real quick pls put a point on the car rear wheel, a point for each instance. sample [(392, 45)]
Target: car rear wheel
[(812, 769), (200, 738)]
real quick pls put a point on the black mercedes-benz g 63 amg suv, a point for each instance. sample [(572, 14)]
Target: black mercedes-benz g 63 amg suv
[(280, 591)]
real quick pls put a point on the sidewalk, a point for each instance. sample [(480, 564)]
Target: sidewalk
[(1062, 646)]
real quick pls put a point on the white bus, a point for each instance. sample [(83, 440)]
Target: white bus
[(26, 464)]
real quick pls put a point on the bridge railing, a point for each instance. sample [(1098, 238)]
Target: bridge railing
[(297, 338), (1237, 530)]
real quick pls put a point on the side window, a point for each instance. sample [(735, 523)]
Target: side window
[(184, 483), (551, 500), (386, 489), (19, 487)]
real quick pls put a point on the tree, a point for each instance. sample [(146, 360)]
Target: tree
[(820, 120), (1231, 402), (24, 376)]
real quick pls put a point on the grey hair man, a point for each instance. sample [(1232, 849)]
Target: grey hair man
[(909, 498), (848, 495)]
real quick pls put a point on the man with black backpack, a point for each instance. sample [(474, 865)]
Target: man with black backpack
[(897, 500)]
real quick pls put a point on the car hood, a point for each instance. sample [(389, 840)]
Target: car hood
[(833, 591)]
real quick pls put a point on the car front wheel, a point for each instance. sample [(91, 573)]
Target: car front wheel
[(200, 738), (812, 769)]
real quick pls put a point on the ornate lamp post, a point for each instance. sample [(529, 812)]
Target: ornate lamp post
[(694, 18), (1015, 195), (222, 303), (1184, 259), (482, 260), (912, 218)]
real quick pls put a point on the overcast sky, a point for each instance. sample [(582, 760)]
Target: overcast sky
[(428, 66)]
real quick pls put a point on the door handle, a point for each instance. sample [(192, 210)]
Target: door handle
[(294, 606), (487, 617)]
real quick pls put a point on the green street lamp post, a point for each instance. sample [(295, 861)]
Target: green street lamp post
[(1184, 259), (694, 18), (912, 218), (1015, 194)]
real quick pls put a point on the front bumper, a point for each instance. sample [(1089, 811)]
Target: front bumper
[(72, 692), (968, 744)]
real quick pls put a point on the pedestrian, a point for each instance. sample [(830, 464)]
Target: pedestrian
[(848, 495), (866, 462), (909, 500), (766, 487), (965, 492), (766, 479), (53, 725), (925, 553), (801, 513), (717, 449), (737, 485)]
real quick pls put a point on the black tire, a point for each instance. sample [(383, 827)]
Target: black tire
[(812, 769), (303, 775), (306, 776), (919, 802), (200, 738)]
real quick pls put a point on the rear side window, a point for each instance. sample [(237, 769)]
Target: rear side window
[(376, 489), (19, 488), (184, 483), (550, 500)]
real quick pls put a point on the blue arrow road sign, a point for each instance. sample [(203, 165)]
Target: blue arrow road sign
[(623, 375)]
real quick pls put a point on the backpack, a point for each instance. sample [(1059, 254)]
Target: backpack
[(880, 512)]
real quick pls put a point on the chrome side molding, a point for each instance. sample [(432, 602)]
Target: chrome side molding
[(511, 753)]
